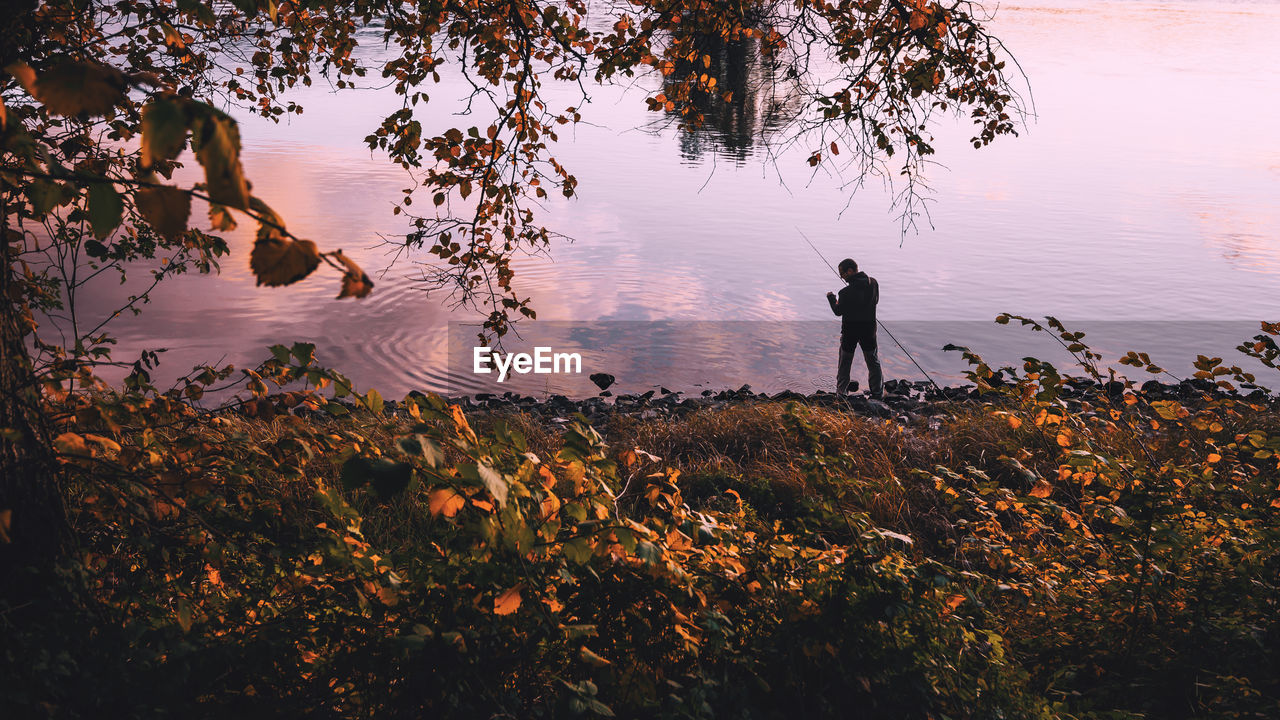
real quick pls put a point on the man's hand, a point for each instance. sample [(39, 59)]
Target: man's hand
[(831, 296)]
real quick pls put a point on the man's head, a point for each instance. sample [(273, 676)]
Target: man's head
[(848, 268)]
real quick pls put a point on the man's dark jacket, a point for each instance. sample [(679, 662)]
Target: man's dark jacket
[(856, 307)]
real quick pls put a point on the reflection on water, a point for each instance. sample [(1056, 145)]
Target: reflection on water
[(1146, 190), (760, 102)]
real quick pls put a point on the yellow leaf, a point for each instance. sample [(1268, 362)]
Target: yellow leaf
[(1064, 440), (463, 427), (550, 506), (1015, 422), (507, 602), (216, 140), (69, 443), (445, 501), (1214, 457), (166, 209), (1041, 489), (276, 260), (104, 443), (355, 283), (71, 88)]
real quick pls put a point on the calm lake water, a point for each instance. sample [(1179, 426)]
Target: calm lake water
[(1142, 205)]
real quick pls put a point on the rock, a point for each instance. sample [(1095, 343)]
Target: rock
[(602, 380)]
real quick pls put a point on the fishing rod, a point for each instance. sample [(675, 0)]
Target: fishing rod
[(878, 322)]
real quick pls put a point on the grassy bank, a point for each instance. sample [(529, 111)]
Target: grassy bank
[(1020, 555)]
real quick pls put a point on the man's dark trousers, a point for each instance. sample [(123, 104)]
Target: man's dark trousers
[(863, 335)]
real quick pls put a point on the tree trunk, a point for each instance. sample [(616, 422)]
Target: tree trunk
[(33, 517)]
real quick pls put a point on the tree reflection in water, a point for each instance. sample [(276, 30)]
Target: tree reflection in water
[(754, 101)]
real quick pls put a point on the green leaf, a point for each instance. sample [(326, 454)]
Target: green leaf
[(373, 399), (105, 209), (387, 478), (164, 130), (281, 353), (578, 550), (45, 195), (494, 483)]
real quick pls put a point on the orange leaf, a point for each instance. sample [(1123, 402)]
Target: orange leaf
[(69, 443), (1041, 489), (550, 506), (355, 283), (445, 501), (25, 76), (507, 602)]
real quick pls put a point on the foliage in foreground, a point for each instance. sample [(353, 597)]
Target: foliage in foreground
[(1037, 555)]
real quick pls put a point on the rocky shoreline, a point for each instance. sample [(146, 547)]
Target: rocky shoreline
[(903, 400)]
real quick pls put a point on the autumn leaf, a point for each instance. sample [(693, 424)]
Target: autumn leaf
[(69, 443), (355, 283), (277, 260), (164, 131), (1042, 489), (592, 658), (73, 87), (25, 76), (265, 213), (216, 140), (445, 501), (507, 602), (166, 209), (220, 218)]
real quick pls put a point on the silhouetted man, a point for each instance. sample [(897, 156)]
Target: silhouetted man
[(856, 307)]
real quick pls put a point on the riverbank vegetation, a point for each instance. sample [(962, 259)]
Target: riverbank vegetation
[(1022, 554), (311, 550)]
